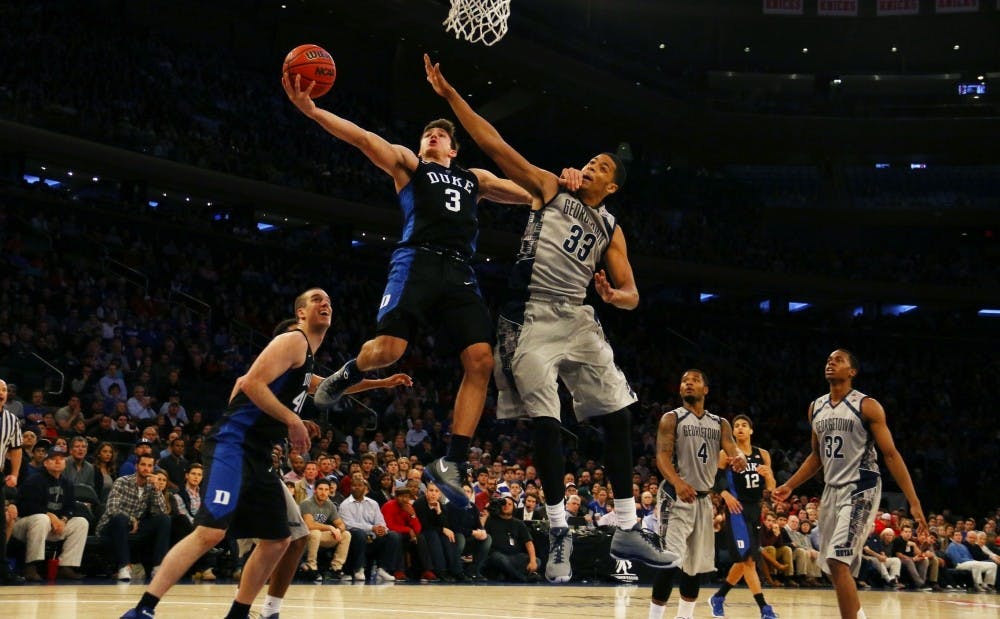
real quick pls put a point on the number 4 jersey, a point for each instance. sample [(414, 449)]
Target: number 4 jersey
[(696, 448), (562, 245), (846, 447)]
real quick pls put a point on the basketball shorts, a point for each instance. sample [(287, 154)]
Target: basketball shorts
[(686, 529), (846, 519), (437, 290), (239, 493), (743, 533), (557, 340), (296, 524)]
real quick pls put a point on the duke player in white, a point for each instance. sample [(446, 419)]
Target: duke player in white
[(546, 332), (847, 425)]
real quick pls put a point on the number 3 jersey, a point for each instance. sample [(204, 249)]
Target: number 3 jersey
[(846, 447), (696, 447), (439, 209), (562, 245)]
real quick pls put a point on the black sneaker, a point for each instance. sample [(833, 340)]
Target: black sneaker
[(449, 476), (334, 385), (638, 544)]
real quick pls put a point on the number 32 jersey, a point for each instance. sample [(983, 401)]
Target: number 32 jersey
[(846, 447), (562, 245), (439, 208)]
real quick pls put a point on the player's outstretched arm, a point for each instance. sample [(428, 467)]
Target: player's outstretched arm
[(626, 294), (380, 383), (499, 189), (874, 414), (809, 467), (542, 184), (395, 160)]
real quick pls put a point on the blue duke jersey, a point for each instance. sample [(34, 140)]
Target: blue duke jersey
[(748, 486), (243, 420), (846, 448), (562, 245), (439, 209)]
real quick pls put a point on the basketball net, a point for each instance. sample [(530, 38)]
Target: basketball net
[(478, 21)]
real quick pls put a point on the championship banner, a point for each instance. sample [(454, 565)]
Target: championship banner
[(957, 6), (898, 7), (783, 7), (837, 8)]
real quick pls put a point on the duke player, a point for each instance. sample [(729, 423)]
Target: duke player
[(846, 427), (742, 493), (547, 333), (238, 491), (430, 278), (687, 441)]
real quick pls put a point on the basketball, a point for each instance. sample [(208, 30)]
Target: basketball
[(314, 64)]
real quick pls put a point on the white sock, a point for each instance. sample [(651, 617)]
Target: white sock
[(861, 614), (656, 611), (625, 512), (685, 609), (557, 515), (271, 606)]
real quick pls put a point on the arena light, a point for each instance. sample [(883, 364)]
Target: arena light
[(897, 310), (858, 311), (765, 306), (797, 306), (706, 296), (989, 313), (31, 179)]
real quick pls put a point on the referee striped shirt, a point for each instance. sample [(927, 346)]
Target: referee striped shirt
[(10, 435)]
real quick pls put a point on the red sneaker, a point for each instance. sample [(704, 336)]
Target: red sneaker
[(399, 575), (428, 576)]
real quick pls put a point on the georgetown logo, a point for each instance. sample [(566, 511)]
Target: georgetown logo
[(623, 571)]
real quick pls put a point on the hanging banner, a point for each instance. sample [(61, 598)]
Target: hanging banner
[(957, 6), (783, 7), (898, 7), (837, 8)]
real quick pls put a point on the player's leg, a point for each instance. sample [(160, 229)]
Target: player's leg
[(284, 571), (844, 529)]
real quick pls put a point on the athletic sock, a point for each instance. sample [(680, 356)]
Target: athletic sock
[(759, 598), (685, 609), (458, 449), (656, 611), (148, 600), (238, 611), (557, 515), (724, 589), (272, 605), (625, 512), (861, 614)]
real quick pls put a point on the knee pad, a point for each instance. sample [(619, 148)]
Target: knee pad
[(689, 586)]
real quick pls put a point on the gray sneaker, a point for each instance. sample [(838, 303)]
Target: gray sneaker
[(638, 544), (558, 568), (333, 386)]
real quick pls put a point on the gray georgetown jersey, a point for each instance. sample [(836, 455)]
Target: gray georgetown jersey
[(696, 448), (562, 245), (846, 447)]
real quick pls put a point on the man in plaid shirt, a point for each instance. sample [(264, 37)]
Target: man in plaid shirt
[(135, 512)]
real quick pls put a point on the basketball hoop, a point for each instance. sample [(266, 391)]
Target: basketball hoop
[(478, 21)]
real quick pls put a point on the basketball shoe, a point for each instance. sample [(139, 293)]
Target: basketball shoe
[(449, 476), (638, 544), (333, 386), (558, 568)]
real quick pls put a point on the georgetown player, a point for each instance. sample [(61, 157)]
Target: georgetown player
[(742, 493), (846, 427), (430, 278), (547, 333), (238, 491), (688, 442)]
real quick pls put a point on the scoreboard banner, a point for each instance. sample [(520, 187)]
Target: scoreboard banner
[(783, 7), (897, 7), (837, 8)]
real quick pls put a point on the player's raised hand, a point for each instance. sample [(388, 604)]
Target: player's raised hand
[(603, 286), (297, 94), (436, 78), (570, 179)]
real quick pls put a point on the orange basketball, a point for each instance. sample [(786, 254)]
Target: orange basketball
[(314, 64)]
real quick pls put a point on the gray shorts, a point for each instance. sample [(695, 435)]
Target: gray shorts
[(557, 340), (846, 519), (686, 529)]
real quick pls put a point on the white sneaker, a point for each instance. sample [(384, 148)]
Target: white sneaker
[(359, 576), (125, 574), (381, 574)]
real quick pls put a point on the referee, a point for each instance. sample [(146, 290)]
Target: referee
[(10, 439)]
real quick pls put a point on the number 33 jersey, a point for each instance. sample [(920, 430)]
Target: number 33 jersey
[(846, 447), (562, 245)]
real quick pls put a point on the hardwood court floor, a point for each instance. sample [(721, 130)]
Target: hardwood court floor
[(405, 601)]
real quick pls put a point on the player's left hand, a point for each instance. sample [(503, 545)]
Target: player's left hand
[(312, 428), (603, 287), (298, 436), (735, 507), (570, 179), (435, 77), (738, 464), (918, 515), (399, 379)]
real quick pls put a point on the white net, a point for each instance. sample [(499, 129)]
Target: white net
[(478, 21)]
